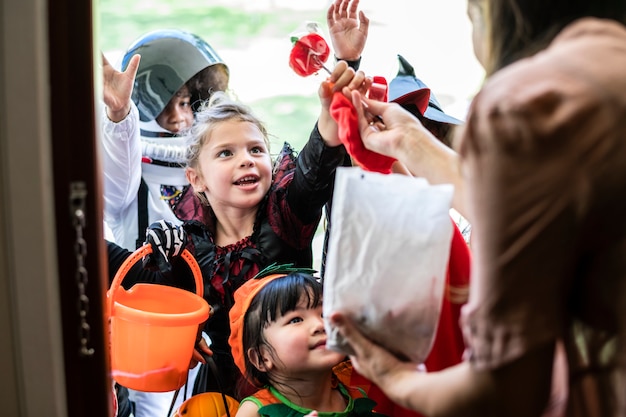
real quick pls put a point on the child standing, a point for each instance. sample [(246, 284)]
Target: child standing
[(279, 343)]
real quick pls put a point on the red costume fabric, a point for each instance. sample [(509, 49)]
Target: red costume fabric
[(344, 113), (379, 89)]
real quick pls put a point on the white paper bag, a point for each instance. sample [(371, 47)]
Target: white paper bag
[(387, 258)]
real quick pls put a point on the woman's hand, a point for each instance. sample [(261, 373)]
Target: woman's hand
[(398, 134), (384, 134), (369, 359)]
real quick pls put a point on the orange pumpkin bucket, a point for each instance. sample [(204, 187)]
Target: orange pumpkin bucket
[(208, 404), (153, 328)]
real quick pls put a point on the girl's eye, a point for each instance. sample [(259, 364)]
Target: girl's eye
[(224, 153), (295, 320), (185, 103), (256, 149)]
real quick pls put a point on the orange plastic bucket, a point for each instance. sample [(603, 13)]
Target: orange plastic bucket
[(153, 329)]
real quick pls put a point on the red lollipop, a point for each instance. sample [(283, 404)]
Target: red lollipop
[(308, 55)]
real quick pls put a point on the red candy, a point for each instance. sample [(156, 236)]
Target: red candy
[(308, 55)]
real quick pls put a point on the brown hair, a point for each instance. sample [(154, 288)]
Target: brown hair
[(206, 82), (519, 28)]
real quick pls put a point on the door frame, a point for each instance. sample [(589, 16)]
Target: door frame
[(48, 141)]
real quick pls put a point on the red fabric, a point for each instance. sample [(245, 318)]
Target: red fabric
[(448, 345), (344, 113), (378, 90)]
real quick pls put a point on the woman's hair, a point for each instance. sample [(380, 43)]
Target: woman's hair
[(277, 298), (219, 108), (519, 28)]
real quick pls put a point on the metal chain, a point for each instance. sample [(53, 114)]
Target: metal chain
[(78, 192)]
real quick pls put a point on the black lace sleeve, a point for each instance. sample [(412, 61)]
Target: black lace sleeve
[(314, 177)]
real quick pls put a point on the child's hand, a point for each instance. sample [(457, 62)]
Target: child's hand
[(167, 241), (347, 32), (202, 349), (118, 87), (343, 79)]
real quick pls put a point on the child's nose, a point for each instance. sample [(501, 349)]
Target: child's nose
[(247, 160), (177, 114), (318, 325)]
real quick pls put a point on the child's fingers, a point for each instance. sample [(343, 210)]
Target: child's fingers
[(365, 22), (354, 5), (357, 81), (105, 61), (195, 358), (351, 79), (338, 72), (133, 65), (361, 83)]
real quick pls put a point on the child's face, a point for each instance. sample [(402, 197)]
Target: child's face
[(235, 167), (177, 116), (299, 342)]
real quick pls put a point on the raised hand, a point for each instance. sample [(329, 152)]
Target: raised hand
[(167, 241), (118, 87), (348, 31), (342, 78)]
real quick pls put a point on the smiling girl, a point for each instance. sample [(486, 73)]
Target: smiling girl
[(279, 343)]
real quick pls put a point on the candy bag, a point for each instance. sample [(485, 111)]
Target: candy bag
[(387, 258)]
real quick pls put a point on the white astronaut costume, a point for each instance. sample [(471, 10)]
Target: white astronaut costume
[(124, 151)]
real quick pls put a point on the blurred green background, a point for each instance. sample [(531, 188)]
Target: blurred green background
[(229, 26)]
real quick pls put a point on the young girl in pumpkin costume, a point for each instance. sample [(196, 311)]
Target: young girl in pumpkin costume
[(278, 342)]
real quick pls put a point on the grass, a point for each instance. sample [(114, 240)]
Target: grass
[(121, 22)]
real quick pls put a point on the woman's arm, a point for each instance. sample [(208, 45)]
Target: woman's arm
[(520, 388)]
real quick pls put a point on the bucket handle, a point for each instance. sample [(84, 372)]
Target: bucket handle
[(136, 257)]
